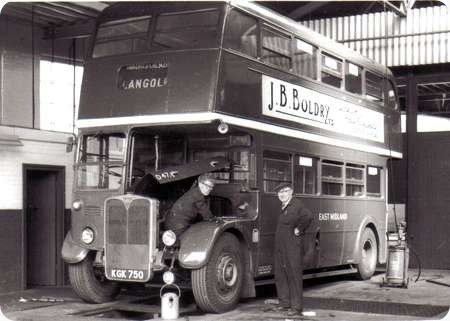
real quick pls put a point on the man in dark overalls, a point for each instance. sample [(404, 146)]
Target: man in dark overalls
[(293, 221), (186, 209)]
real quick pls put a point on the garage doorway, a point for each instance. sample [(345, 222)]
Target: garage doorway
[(43, 225)]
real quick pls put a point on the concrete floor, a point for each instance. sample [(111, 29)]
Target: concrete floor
[(332, 298)]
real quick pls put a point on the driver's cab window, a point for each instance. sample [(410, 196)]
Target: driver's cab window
[(152, 152), (231, 195), (234, 148)]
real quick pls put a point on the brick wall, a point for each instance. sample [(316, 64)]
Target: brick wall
[(39, 147)]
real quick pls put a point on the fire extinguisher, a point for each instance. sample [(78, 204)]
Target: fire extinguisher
[(398, 259)]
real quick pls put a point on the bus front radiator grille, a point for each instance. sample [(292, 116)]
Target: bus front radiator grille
[(138, 222), (116, 221), (128, 220)]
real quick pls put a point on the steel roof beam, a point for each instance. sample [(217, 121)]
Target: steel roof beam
[(76, 8), (33, 9), (78, 30), (23, 14), (305, 10), (62, 10), (400, 11)]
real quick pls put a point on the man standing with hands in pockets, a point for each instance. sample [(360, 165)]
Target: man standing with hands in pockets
[(293, 221)]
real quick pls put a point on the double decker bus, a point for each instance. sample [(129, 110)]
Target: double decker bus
[(174, 90)]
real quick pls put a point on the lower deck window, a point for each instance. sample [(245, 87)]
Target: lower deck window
[(277, 170), (305, 175), (354, 180), (332, 178), (373, 178)]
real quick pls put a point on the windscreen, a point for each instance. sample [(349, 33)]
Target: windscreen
[(153, 152), (173, 31), (100, 161)]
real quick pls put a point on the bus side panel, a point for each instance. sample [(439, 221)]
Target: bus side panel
[(362, 213), (323, 244), (331, 225), (240, 88)]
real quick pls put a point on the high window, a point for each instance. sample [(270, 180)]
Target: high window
[(60, 85)]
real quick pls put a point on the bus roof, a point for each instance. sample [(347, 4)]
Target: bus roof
[(311, 36), (127, 9)]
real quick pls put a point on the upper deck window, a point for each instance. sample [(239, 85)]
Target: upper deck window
[(121, 36), (353, 78), (305, 59), (331, 70), (276, 48), (186, 30), (241, 33), (374, 87)]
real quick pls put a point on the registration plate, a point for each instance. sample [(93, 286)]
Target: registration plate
[(128, 274)]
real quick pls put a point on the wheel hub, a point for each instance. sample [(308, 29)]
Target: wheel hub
[(227, 272), (367, 249)]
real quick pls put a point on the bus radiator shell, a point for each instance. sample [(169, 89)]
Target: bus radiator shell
[(130, 237)]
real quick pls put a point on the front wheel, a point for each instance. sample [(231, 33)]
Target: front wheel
[(89, 282), (368, 248), (217, 285)]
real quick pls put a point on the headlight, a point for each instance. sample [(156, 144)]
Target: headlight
[(168, 277), (77, 205), (169, 238), (87, 236)]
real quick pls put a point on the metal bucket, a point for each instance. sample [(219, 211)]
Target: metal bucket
[(170, 303)]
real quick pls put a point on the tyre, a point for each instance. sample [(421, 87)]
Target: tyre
[(368, 249), (90, 283), (217, 285)]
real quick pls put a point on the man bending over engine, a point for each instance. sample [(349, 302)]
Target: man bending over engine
[(186, 209)]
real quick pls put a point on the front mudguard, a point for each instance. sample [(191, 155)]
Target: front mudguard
[(71, 252), (197, 242), (370, 222)]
